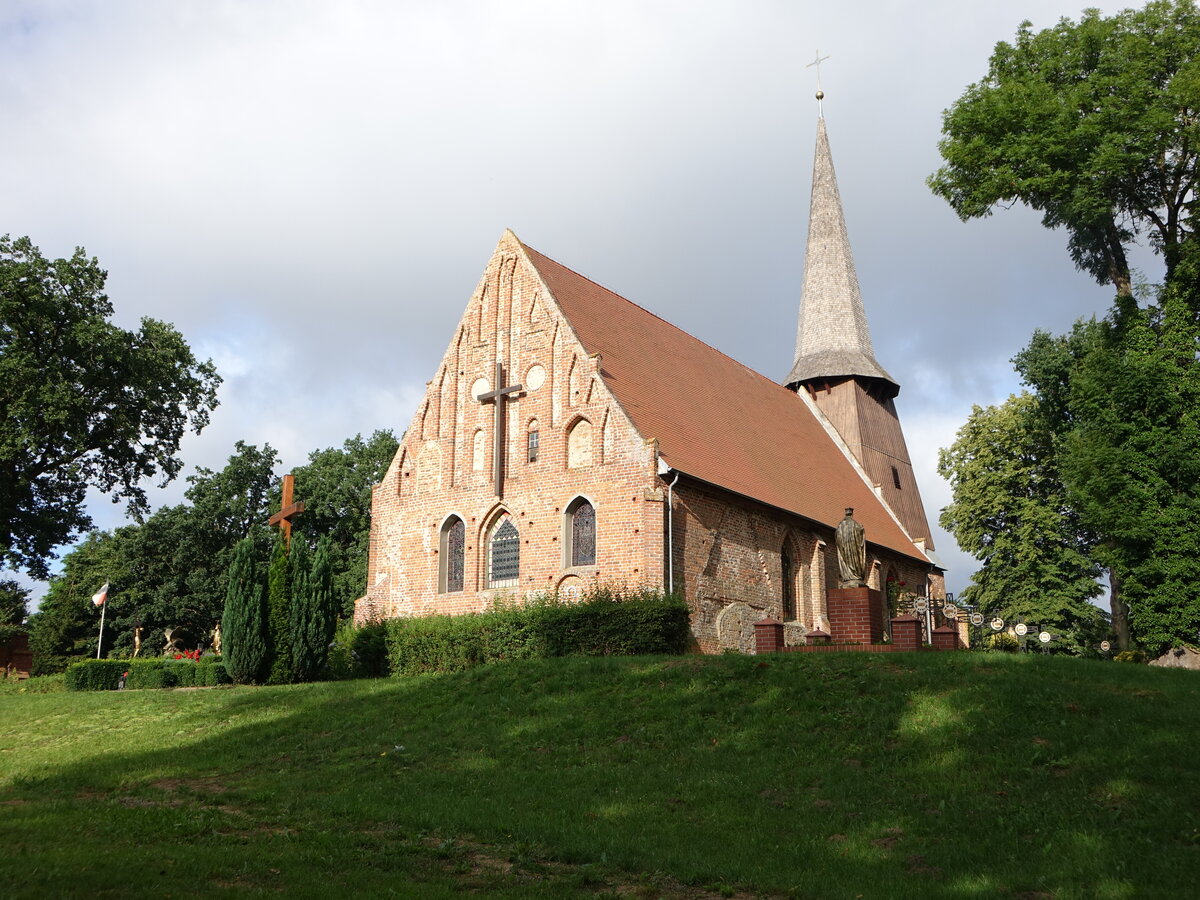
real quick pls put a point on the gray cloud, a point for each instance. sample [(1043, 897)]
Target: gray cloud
[(310, 190)]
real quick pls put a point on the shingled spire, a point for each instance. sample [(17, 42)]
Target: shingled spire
[(835, 362), (832, 339)]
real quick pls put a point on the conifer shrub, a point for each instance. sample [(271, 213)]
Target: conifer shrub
[(279, 624), (313, 617), (606, 621), (243, 624)]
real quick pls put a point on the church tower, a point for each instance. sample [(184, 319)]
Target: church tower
[(835, 362)]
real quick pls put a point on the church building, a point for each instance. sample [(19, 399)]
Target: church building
[(571, 437)]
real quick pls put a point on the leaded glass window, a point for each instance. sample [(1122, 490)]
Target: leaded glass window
[(787, 579), (453, 554), (505, 562), (583, 534)]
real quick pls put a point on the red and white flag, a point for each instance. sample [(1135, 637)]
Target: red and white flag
[(101, 595)]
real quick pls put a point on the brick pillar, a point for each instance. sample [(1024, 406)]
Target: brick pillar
[(768, 636), (817, 636), (945, 638), (855, 615), (906, 633)]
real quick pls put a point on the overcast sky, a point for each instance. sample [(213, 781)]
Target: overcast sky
[(309, 191)]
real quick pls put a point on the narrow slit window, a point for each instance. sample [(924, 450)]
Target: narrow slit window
[(454, 534), (533, 445), (896, 477), (788, 583)]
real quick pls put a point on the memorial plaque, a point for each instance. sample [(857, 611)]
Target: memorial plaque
[(1044, 637), (976, 619), (1105, 646), (921, 605), (950, 609), (997, 624), (1022, 629)]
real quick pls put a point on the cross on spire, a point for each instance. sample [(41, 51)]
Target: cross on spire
[(820, 93), (498, 396), (288, 510)]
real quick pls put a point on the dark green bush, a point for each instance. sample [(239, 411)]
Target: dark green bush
[(1004, 642), (357, 652), (96, 674), (146, 674), (1130, 656), (608, 621)]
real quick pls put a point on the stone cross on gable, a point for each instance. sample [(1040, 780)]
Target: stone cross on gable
[(498, 396), (288, 510)]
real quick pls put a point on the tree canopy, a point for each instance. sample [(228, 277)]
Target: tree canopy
[(83, 403), (1092, 123), (1095, 125), (1010, 510)]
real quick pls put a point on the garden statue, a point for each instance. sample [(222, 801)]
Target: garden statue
[(216, 642), (172, 644), (137, 640), (851, 552)]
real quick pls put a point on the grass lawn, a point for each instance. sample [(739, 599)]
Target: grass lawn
[(923, 775)]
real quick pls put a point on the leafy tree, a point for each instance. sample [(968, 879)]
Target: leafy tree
[(336, 489), (279, 624), (244, 623), (85, 403), (14, 607), (1010, 510), (172, 570), (1094, 124), (66, 625), (14, 602), (1132, 463)]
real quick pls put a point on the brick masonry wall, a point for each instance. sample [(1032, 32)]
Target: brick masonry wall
[(444, 464), (728, 564)]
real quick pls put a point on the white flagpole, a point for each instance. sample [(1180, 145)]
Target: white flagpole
[(100, 598), (103, 610)]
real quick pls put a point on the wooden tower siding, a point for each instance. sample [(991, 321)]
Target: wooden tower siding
[(871, 429)]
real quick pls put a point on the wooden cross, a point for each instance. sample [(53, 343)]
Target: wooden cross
[(498, 396), (288, 510)]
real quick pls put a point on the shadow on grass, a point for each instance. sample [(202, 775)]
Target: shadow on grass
[(903, 776)]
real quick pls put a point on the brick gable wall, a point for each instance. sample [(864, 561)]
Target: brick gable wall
[(444, 464)]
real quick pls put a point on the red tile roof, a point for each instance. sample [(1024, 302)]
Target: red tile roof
[(715, 419)]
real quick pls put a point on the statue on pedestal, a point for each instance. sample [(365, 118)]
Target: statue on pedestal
[(851, 552)]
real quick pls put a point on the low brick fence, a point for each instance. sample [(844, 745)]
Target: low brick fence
[(906, 638)]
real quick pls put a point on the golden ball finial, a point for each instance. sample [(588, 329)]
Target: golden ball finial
[(820, 95)]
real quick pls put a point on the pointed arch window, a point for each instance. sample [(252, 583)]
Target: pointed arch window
[(504, 555), (581, 533), (452, 567), (788, 582)]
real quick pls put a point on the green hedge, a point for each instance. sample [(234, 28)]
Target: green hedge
[(607, 622), (357, 651), (105, 674)]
